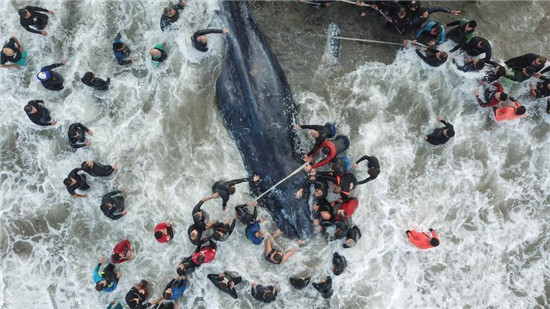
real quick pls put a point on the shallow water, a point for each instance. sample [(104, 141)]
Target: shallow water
[(485, 192)]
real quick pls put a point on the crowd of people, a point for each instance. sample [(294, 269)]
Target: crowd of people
[(331, 175)]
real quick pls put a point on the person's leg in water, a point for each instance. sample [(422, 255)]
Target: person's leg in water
[(84, 185)]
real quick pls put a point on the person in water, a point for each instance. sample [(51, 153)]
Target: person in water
[(345, 208), (339, 264), (432, 34), (30, 16), (324, 286), (300, 282), (423, 240), (112, 205), (509, 110), (13, 52), (252, 231), (373, 166), (199, 38), (224, 189), (187, 266), (106, 280), (399, 18), (200, 218), (204, 253), (265, 294), (137, 296), (471, 65), (421, 15), (441, 135), (175, 288), (521, 62), (352, 236), (462, 34), (38, 113), (77, 135), (226, 282), (49, 79), (477, 46), (330, 148), (319, 133), (97, 169), (76, 181), (122, 252), (343, 184), (494, 94), (222, 231), (275, 256), (171, 15), (320, 187), (164, 232), (89, 79), (122, 51), (158, 54), (523, 75), (432, 57)]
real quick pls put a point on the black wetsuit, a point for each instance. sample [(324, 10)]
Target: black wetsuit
[(353, 233), (339, 262), (473, 50), (42, 115), (346, 181), (224, 229), (520, 62), (541, 89), (259, 291), (373, 163), (16, 53), (98, 170), (299, 282), (134, 293), (227, 278), (325, 131), (317, 184), (80, 141), (324, 205), (80, 181), (199, 224), (437, 137), (517, 76), (245, 216), (200, 231), (55, 82), (203, 47), (431, 58), (113, 198), (459, 35), (403, 25), (189, 265), (325, 288), (166, 22), (342, 228), (222, 188), (37, 20), (417, 21), (97, 83), (109, 274)]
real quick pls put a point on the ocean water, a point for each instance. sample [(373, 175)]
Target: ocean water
[(486, 192)]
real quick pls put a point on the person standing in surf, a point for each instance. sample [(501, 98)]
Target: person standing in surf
[(13, 52), (39, 114), (441, 135), (200, 40), (31, 16)]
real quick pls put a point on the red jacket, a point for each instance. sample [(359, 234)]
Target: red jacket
[(162, 226), (331, 155), (508, 113), (422, 240), (350, 206), (209, 255), (121, 248)]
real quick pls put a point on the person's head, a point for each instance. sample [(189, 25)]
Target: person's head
[(501, 96), (74, 133), (134, 302), (479, 64), (350, 242), (402, 13), (436, 29), (529, 71), (106, 206), (268, 296), (68, 181), (471, 25), (8, 52), (259, 234), (86, 164), (24, 13), (202, 39), (167, 294), (194, 234), (169, 11), (413, 5), (181, 269), (326, 150), (116, 257), (336, 189), (449, 132), (373, 172), (434, 242), (118, 46), (100, 285), (29, 109), (314, 133), (231, 190), (499, 71), (338, 269), (277, 257), (200, 258), (325, 215), (423, 13), (217, 235), (223, 284), (520, 110), (89, 77), (441, 55), (318, 192), (155, 52), (197, 216), (342, 214), (159, 234), (540, 60)]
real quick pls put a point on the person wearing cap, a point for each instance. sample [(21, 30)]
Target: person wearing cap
[(324, 287), (106, 280), (30, 16), (204, 253), (171, 15), (339, 263), (122, 252), (112, 205), (423, 240), (265, 294), (199, 38), (76, 181), (493, 94), (77, 135), (51, 80), (373, 168), (13, 52), (97, 169), (89, 79), (38, 113), (441, 135), (523, 75), (158, 54), (352, 236)]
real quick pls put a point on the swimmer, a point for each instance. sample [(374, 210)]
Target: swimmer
[(320, 186), (122, 252), (164, 232), (222, 231), (462, 34), (226, 282), (171, 15), (204, 253), (423, 240), (432, 57), (30, 16), (49, 79), (441, 135), (97, 169), (300, 282), (200, 217), (339, 264), (275, 256), (158, 54), (266, 294), (77, 135), (175, 288), (324, 287), (373, 168), (107, 279), (224, 189), (112, 205), (76, 181), (330, 148), (13, 52), (122, 51), (90, 80), (352, 237), (38, 113), (493, 94), (200, 40)]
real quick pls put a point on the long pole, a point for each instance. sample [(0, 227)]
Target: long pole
[(280, 182)]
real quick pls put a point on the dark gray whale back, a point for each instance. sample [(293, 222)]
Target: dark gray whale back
[(256, 104)]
